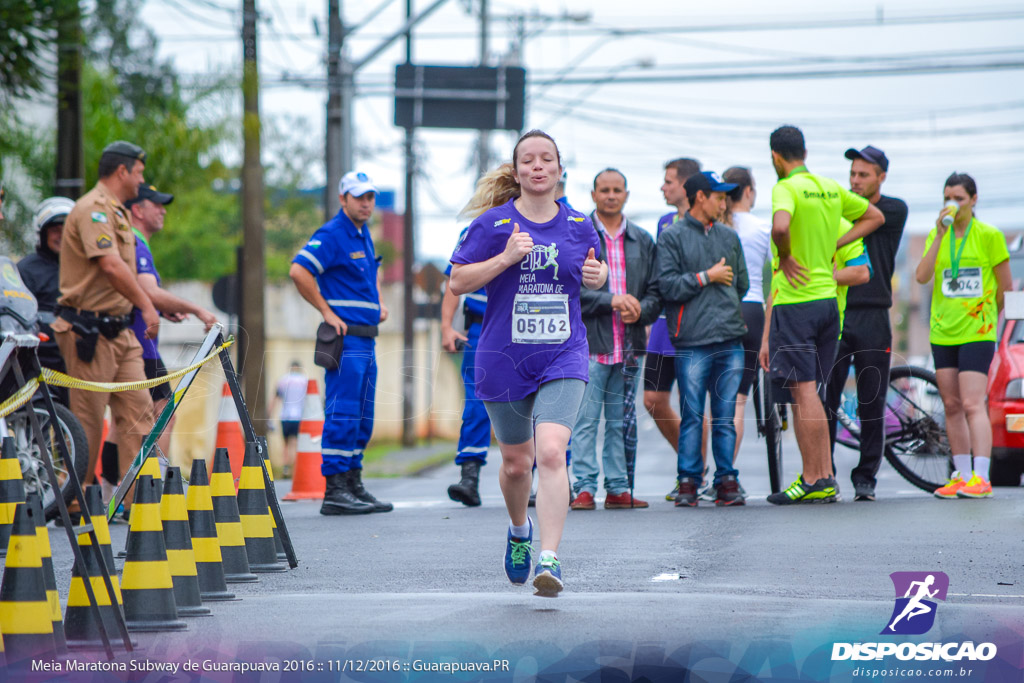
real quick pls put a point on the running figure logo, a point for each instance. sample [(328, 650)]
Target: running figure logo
[(540, 258), (916, 592)]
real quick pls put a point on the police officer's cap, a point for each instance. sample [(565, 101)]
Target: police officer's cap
[(152, 194), (125, 149)]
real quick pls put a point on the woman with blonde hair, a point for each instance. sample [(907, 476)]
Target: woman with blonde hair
[(531, 254)]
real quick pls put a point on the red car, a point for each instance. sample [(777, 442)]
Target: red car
[(1006, 393)]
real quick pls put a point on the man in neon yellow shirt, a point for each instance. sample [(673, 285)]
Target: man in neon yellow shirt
[(804, 328)]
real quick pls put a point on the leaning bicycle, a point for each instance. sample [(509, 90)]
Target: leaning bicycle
[(916, 444)]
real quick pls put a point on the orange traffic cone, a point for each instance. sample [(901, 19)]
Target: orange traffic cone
[(203, 529), (254, 513), (229, 432), (98, 470), (146, 585), (24, 612), (307, 481), (12, 489), (46, 555), (229, 524)]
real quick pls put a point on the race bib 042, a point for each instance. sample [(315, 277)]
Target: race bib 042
[(966, 285), (540, 319)]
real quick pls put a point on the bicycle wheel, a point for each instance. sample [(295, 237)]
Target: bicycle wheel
[(772, 425), (916, 444)]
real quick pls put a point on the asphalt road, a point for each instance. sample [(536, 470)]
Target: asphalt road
[(715, 590)]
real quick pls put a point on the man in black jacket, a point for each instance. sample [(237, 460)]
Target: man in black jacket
[(615, 317), (40, 271), (867, 332), (703, 277)]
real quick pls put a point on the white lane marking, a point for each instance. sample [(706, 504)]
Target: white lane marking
[(984, 595), (665, 577)]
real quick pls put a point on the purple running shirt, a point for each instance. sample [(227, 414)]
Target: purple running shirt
[(532, 331), (658, 341)]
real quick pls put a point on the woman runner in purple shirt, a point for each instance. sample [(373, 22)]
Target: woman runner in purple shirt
[(532, 254)]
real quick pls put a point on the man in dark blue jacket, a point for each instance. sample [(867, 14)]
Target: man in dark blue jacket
[(703, 277)]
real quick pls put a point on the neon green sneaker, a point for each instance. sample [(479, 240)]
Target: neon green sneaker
[(822, 491)]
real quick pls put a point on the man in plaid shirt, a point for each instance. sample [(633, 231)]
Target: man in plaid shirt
[(616, 317)]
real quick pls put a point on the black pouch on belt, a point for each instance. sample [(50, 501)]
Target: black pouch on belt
[(88, 336), (329, 344)]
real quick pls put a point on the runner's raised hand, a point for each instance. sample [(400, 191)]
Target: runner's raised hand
[(593, 271), (518, 246)]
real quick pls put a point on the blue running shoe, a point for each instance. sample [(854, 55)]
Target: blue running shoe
[(518, 552), (547, 582)]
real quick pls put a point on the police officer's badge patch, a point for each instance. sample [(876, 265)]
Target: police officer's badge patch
[(103, 241), (99, 217)]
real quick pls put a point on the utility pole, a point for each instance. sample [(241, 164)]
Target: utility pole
[(251, 276), (335, 109), (483, 148), (70, 162), (408, 260)]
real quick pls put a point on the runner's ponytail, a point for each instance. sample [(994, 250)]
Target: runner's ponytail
[(493, 189)]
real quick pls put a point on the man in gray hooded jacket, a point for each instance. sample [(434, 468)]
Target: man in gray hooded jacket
[(703, 277)]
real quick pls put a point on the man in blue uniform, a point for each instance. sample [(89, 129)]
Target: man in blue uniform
[(336, 271), (475, 434)]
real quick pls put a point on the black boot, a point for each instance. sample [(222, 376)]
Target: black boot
[(338, 499), (355, 486), (467, 490)]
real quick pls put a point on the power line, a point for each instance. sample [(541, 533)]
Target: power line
[(906, 70)]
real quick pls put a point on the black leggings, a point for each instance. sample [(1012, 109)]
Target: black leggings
[(753, 316)]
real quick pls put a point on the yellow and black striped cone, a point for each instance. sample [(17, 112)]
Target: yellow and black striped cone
[(178, 541), (46, 555), (229, 525), (278, 545), (203, 529), (83, 633), (150, 468), (98, 514), (25, 618), (254, 511), (12, 489), (146, 585)]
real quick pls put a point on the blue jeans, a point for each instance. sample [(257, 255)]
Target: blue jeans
[(604, 392), (714, 368)]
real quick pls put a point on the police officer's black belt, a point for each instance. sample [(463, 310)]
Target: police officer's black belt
[(94, 318), (361, 331), (472, 319), (89, 325)]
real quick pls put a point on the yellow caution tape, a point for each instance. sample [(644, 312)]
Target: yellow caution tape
[(20, 398), (61, 380)]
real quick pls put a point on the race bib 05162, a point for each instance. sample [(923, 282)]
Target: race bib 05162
[(540, 319)]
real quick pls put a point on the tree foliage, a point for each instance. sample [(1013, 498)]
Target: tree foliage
[(27, 35), (192, 139)]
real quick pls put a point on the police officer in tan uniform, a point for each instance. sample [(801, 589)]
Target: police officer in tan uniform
[(98, 289)]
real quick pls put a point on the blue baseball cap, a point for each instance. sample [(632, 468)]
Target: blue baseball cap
[(706, 182)]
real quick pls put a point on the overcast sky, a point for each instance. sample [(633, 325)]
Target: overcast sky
[(932, 116)]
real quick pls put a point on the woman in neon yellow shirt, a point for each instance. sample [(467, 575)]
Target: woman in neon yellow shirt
[(971, 270)]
